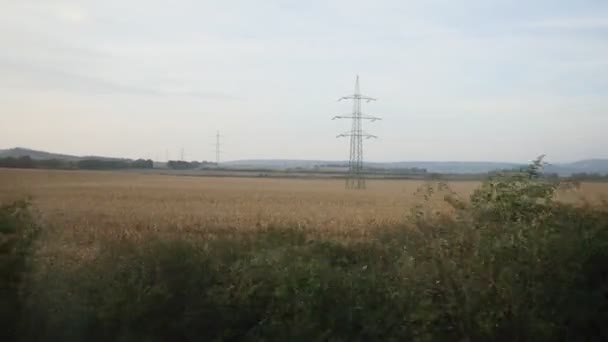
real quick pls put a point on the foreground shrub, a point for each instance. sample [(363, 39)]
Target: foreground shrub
[(17, 235), (275, 285), (513, 264)]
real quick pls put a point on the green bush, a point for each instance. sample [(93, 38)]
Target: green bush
[(513, 264), (275, 285), (17, 235)]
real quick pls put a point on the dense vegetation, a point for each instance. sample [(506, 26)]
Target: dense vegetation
[(17, 235), (185, 165), (508, 264)]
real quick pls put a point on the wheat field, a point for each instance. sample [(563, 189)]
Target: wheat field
[(83, 207)]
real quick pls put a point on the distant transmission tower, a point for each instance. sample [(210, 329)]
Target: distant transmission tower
[(217, 148), (355, 178)]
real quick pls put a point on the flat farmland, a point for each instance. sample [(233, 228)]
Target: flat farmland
[(123, 200), (82, 206)]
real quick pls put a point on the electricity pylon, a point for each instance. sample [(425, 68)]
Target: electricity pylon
[(355, 179), (217, 148)]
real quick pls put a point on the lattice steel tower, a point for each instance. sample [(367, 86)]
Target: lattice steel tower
[(217, 149), (355, 179)]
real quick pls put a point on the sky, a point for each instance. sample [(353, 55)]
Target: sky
[(467, 80)]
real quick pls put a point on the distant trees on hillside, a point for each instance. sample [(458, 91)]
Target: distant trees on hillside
[(100, 164), (368, 169), (583, 176), (185, 165), (26, 162), (142, 164), (21, 162), (400, 171)]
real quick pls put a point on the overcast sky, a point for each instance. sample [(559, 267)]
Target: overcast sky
[(499, 80)]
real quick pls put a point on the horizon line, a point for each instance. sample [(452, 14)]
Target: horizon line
[(317, 160)]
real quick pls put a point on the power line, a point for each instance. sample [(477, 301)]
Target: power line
[(355, 179)]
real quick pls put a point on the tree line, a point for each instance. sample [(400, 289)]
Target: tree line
[(27, 162), (185, 165)]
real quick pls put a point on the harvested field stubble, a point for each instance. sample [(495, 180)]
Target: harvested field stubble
[(112, 200), (121, 201), (84, 207)]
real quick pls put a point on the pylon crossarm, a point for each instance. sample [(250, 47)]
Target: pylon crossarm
[(367, 98), (363, 117), (349, 134), (358, 97), (368, 136), (369, 117)]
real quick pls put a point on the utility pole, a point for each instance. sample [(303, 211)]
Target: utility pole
[(355, 179), (217, 149)]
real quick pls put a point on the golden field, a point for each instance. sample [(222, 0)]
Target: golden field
[(81, 207), (125, 200), (129, 200)]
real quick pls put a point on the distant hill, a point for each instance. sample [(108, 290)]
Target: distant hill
[(278, 163), (455, 167), (433, 167), (583, 166), (40, 155), (22, 152)]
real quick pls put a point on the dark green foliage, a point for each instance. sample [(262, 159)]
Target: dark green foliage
[(17, 235), (111, 164), (97, 164), (21, 162), (508, 265), (515, 265), (185, 165), (54, 164), (85, 164), (26, 162), (274, 285), (142, 164)]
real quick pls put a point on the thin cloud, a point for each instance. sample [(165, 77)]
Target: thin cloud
[(600, 23), (30, 77)]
